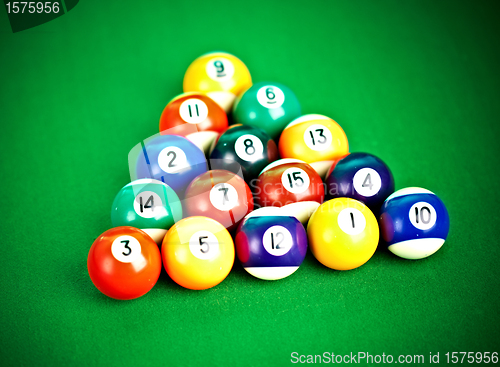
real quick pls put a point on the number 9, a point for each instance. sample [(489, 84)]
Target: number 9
[(219, 66)]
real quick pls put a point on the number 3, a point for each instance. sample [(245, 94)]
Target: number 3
[(126, 242)]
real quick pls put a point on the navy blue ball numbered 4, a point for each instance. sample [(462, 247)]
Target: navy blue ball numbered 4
[(360, 176)]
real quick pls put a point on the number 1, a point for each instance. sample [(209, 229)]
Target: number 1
[(352, 219)]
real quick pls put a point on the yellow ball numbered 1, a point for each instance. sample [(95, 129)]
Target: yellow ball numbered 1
[(198, 252), (343, 234)]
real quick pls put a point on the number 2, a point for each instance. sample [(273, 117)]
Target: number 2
[(174, 155)]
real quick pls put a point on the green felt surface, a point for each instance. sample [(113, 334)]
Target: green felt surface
[(414, 82)]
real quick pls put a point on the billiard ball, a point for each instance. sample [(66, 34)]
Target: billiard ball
[(268, 106), (220, 75), (243, 148), (198, 252), (343, 233), (315, 139), (363, 177), (220, 195), (124, 263), (270, 246), (171, 159), (414, 223), (195, 116), (287, 181), (147, 204)]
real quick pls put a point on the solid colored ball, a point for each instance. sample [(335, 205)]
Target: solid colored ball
[(194, 116), (343, 234), (147, 204), (124, 263), (271, 247), (171, 159), (363, 177), (315, 139), (414, 222), (198, 252), (268, 106), (243, 149), (220, 75), (287, 181), (220, 195)]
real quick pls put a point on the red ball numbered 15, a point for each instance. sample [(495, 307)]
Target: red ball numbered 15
[(287, 181)]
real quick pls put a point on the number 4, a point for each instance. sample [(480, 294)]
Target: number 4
[(367, 182)]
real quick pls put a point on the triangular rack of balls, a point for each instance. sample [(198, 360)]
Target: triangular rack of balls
[(266, 187)]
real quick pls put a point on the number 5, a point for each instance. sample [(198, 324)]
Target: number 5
[(203, 243)]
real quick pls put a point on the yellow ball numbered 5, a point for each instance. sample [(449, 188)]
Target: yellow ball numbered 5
[(343, 234), (198, 252)]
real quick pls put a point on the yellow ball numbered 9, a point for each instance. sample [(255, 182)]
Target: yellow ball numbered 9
[(343, 234), (220, 75), (198, 253)]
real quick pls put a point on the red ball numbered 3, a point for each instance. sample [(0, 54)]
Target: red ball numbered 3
[(124, 263), (287, 181)]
